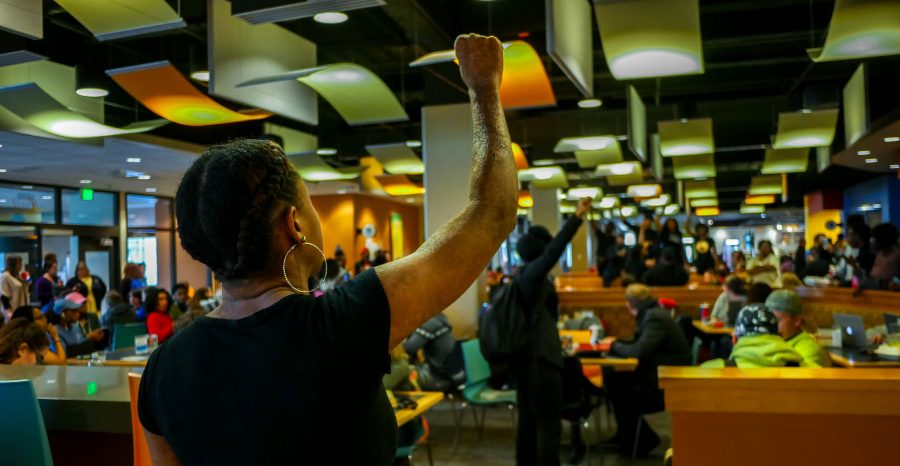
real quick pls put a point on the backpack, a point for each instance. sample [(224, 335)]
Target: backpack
[(505, 326)]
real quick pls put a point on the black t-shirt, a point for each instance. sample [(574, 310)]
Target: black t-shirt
[(291, 384)]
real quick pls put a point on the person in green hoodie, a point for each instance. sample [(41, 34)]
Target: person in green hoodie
[(786, 306), (758, 342)]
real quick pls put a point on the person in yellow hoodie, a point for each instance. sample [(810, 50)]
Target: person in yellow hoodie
[(786, 306), (758, 342)]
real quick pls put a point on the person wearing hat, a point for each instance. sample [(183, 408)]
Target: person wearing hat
[(539, 373), (76, 338), (758, 343), (786, 306)]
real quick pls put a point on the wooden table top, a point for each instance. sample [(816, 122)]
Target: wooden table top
[(424, 402), (712, 330), (841, 359), (619, 364)]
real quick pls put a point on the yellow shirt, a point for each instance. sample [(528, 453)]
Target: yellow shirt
[(91, 302)]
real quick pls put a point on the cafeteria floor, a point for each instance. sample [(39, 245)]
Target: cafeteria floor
[(497, 448)]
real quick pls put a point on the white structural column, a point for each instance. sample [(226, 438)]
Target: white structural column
[(447, 153), (546, 213)]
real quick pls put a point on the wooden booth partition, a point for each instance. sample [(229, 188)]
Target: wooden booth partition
[(782, 416)]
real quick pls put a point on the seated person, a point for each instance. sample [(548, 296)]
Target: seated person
[(118, 312), (657, 342), (56, 353), (758, 343), (435, 339), (765, 266), (157, 305), (669, 271), (180, 297), (22, 342), (790, 281), (786, 306), (195, 310), (734, 293), (79, 337)]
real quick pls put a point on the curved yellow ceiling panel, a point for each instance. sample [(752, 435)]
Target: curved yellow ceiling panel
[(166, 92), (525, 82), (805, 129), (399, 185), (115, 19), (861, 28), (311, 167), (397, 158), (32, 104)]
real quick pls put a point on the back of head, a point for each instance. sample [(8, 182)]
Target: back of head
[(787, 301), (754, 320), (541, 233), (530, 247), (113, 298), (639, 296), (227, 202), (24, 312), (15, 333), (668, 255), (885, 236), (758, 292), (736, 285)]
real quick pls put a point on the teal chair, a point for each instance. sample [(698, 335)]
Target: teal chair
[(23, 439), (123, 334), (476, 391)]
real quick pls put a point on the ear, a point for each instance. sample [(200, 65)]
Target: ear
[(23, 350), (293, 229)]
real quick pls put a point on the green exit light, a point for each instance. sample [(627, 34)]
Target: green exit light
[(91, 388), (87, 194)]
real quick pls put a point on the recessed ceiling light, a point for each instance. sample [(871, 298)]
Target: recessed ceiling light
[(863, 152), (150, 190), (85, 181), (342, 191), (2, 201), (590, 103), (202, 75), (895, 166), (806, 110), (143, 177), (1, 145), (702, 178), (27, 186), (47, 198), (92, 92), (683, 120), (326, 151), (871, 160), (133, 160), (887, 139), (2, 170), (410, 200), (330, 17), (413, 144)]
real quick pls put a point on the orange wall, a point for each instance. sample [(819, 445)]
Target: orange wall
[(342, 215)]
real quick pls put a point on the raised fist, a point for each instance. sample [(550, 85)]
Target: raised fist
[(480, 62)]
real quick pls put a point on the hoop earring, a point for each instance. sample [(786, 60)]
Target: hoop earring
[(284, 267)]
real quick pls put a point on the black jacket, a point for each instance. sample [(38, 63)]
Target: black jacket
[(98, 288), (666, 275), (540, 296), (657, 342)]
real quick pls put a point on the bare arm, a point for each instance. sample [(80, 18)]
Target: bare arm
[(160, 452), (422, 284), (59, 357)]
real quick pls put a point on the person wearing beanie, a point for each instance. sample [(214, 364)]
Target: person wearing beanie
[(657, 342), (758, 343), (786, 306), (539, 372)]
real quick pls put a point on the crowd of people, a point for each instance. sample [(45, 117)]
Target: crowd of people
[(72, 317)]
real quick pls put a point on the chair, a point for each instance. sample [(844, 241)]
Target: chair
[(138, 441), (23, 438), (123, 334), (476, 390), (422, 434)]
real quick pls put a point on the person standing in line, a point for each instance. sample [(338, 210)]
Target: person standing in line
[(539, 372), (46, 284), (13, 292), (706, 257), (90, 286)]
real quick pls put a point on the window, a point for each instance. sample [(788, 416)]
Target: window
[(142, 250), (99, 211), (148, 211), (27, 204)]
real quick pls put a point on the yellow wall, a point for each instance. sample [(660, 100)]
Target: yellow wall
[(815, 223)]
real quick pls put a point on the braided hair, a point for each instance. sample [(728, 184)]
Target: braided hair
[(227, 202)]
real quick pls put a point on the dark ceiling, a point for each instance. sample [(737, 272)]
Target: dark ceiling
[(754, 52)]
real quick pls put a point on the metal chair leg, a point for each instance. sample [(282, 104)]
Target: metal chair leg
[(457, 421), (584, 426), (637, 436), (481, 427), (428, 451)]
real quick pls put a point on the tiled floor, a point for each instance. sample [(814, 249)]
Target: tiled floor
[(497, 447)]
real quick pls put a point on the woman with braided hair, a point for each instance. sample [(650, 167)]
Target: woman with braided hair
[(254, 381)]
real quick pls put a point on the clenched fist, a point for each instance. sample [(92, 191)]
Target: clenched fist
[(480, 62)]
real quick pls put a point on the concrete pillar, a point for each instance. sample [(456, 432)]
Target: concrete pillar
[(447, 153), (546, 213), (580, 254)]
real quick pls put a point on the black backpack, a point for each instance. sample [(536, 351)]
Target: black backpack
[(505, 326)]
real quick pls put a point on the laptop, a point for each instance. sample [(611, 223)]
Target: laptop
[(853, 331), (892, 322)]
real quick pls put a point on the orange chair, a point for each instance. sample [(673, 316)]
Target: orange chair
[(139, 443)]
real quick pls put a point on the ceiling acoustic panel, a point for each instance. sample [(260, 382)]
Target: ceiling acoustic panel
[(166, 92), (269, 11), (525, 82), (23, 17), (239, 51), (859, 29), (117, 19), (32, 104), (400, 185), (397, 158), (545, 177), (765, 184), (311, 167), (779, 161), (358, 95), (700, 189), (569, 41), (637, 124), (292, 141), (686, 137), (691, 167), (650, 38), (805, 129)]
